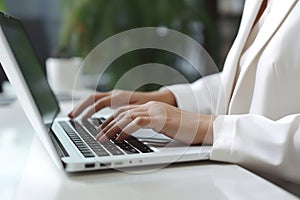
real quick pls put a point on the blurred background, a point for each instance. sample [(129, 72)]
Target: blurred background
[(71, 28), (68, 28)]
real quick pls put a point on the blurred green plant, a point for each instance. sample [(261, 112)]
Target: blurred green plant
[(86, 23), (2, 5)]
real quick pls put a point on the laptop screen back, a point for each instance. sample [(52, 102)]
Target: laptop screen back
[(30, 68)]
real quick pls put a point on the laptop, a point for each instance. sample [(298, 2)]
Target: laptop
[(71, 143)]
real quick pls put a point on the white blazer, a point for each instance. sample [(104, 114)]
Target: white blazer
[(258, 119)]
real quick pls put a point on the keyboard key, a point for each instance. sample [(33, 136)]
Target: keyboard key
[(101, 153), (90, 127), (112, 148), (116, 151), (126, 147), (138, 145), (97, 121)]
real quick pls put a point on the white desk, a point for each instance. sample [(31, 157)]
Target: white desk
[(31, 174)]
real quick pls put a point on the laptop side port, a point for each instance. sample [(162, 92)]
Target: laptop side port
[(105, 164), (90, 165), (118, 163)]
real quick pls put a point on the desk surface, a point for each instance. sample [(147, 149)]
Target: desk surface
[(28, 173)]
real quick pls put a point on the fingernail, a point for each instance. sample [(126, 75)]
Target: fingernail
[(99, 129), (70, 115), (99, 135), (103, 138)]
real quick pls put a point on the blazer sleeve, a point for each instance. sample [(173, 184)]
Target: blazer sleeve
[(200, 96), (259, 144)]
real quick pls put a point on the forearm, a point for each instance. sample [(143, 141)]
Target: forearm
[(164, 96), (190, 128), (200, 96)]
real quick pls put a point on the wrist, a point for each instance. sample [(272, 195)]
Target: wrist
[(206, 129)]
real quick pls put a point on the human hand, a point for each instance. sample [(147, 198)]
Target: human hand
[(187, 127), (118, 98)]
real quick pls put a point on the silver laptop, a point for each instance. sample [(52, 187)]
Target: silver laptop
[(71, 143)]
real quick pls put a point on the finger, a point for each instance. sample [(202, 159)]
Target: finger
[(113, 130), (106, 122), (100, 104), (85, 103), (119, 112), (109, 122), (123, 117), (107, 127), (99, 135), (136, 124), (102, 130), (81, 106), (116, 125), (136, 120)]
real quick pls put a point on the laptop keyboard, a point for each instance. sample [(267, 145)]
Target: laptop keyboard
[(82, 147), (84, 140)]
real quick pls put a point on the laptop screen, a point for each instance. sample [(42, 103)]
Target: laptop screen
[(30, 67)]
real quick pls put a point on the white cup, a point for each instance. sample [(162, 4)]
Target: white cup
[(63, 74)]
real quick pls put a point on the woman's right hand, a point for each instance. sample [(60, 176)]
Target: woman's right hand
[(118, 98)]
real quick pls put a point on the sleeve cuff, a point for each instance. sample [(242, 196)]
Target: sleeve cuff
[(223, 128), (184, 96)]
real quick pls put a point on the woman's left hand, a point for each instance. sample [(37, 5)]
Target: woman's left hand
[(184, 126)]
